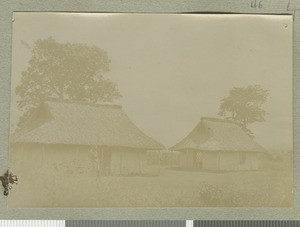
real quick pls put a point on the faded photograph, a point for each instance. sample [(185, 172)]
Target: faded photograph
[(151, 110)]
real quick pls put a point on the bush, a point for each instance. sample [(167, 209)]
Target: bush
[(253, 196), (216, 196)]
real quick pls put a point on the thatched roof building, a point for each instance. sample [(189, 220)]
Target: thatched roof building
[(213, 139), (83, 124), (213, 134), (90, 132)]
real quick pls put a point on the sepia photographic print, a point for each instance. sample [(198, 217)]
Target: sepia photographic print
[(150, 110)]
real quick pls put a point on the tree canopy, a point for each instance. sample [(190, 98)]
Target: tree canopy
[(65, 71), (244, 105)]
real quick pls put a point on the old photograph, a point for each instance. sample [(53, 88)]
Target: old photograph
[(150, 110)]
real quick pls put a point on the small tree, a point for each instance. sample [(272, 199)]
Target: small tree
[(244, 105), (64, 71)]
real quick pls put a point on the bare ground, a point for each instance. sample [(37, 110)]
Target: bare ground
[(172, 188)]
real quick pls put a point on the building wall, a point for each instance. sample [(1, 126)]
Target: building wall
[(252, 162), (128, 161), (26, 158), (223, 160), (186, 159), (70, 158), (210, 160), (77, 159), (32, 158), (229, 161)]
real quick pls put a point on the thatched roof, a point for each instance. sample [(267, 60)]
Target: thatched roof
[(212, 134), (83, 124)]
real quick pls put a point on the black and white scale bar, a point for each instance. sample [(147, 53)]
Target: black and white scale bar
[(109, 223), (253, 223), (32, 223), (135, 223)]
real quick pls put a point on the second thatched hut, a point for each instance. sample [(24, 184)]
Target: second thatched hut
[(219, 145)]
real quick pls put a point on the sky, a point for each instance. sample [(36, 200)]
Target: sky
[(173, 69)]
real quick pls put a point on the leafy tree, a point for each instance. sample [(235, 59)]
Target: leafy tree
[(244, 106), (64, 71)]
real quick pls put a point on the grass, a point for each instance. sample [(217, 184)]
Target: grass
[(172, 188)]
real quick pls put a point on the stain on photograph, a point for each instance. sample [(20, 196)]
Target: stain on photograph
[(151, 110)]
